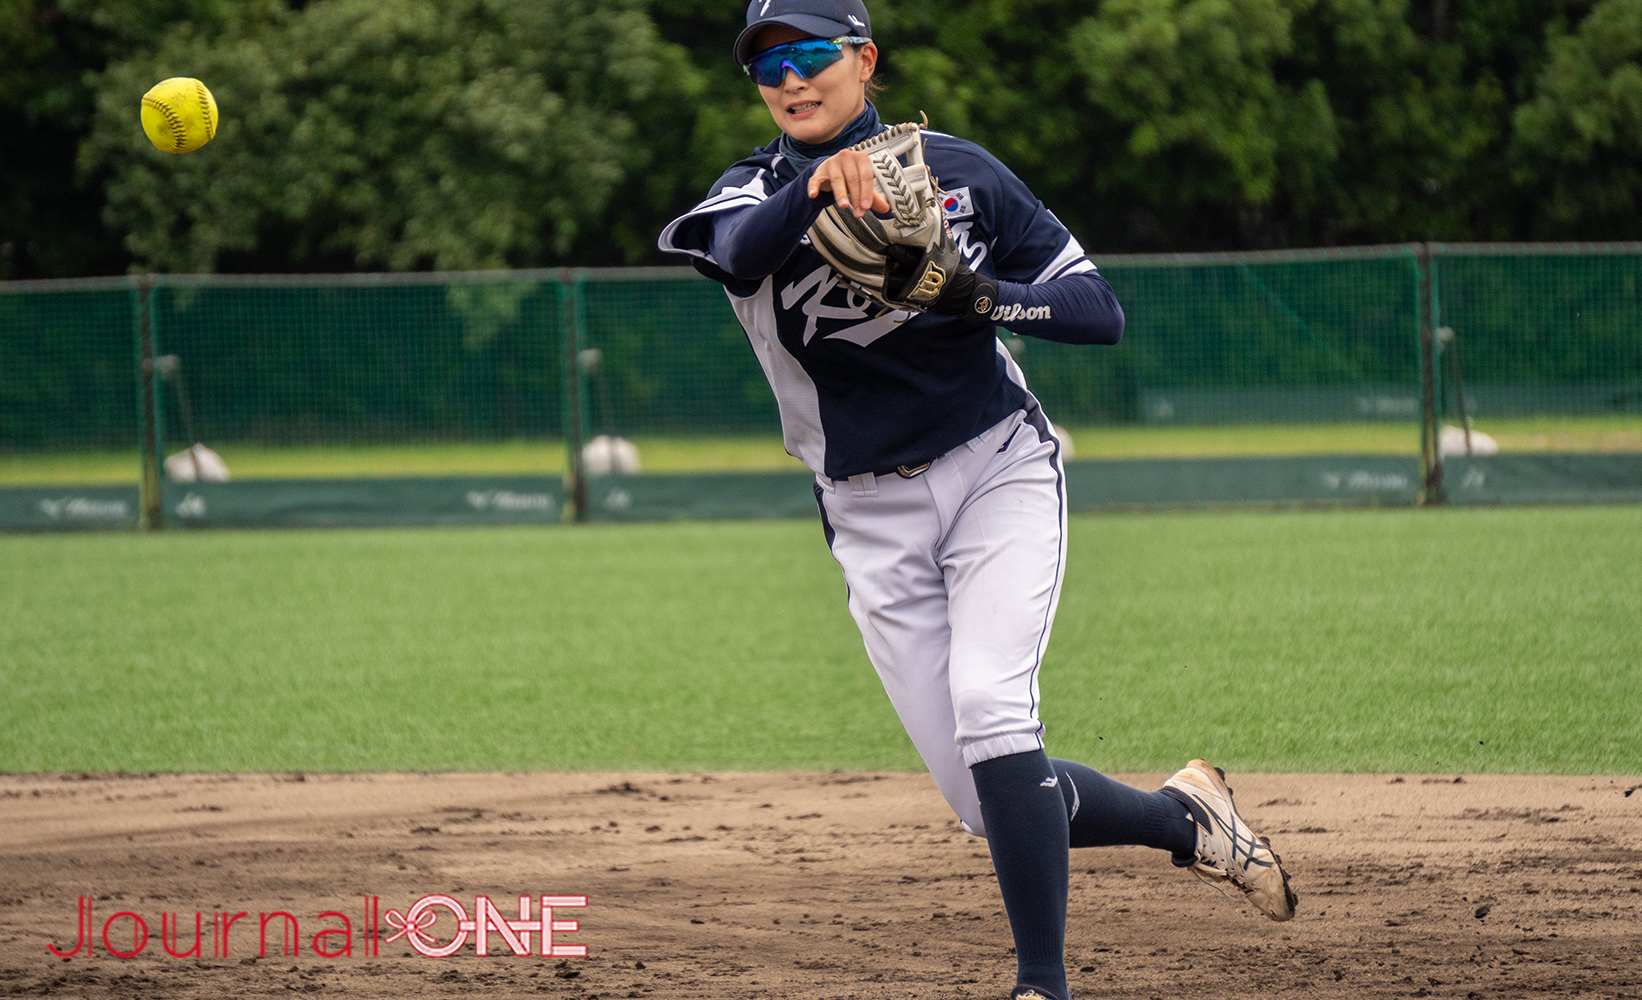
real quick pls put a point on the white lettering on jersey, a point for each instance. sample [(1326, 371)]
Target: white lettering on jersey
[(862, 334), (815, 286), (973, 253), (1016, 312)]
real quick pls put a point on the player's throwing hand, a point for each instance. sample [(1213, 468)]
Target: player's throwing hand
[(848, 175)]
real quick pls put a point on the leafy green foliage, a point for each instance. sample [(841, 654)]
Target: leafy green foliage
[(401, 135), (1193, 78), (480, 133), (1582, 131), (49, 217)]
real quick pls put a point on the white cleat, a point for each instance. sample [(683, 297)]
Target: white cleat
[(1227, 850)]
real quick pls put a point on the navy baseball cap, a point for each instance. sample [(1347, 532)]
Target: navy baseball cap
[(821, 18)]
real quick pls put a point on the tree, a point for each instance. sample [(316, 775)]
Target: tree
[(1579, 139), (398, 134), (1206, 121), (50, 219), (479, 133)]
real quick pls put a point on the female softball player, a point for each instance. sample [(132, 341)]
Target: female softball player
[(938, 476)]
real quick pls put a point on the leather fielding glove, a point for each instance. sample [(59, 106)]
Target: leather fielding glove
[(908, 260)]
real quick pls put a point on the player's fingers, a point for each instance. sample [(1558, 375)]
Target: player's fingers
[(848, 174), (827, 177), (830, 175), (843, 168), (863, 192), (870, 198), (840, 190)]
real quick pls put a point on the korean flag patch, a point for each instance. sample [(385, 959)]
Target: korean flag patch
[(956, 204)]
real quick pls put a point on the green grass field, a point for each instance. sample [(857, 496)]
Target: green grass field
[(764, 453), (1413, 640)]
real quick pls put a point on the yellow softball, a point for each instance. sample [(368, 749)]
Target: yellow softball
[(179, 115)]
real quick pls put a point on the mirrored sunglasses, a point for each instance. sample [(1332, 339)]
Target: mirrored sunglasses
[(805, 57)]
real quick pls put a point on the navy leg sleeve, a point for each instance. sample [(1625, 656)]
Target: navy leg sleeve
[(1105, 813), (1026, 831)]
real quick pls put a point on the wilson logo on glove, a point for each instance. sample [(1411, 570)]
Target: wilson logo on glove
[(929, 287)]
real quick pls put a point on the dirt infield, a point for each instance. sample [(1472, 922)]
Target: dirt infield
[(805, 885)]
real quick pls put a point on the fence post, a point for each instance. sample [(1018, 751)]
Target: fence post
[(571, 320), (1431, 491), (150, 517)]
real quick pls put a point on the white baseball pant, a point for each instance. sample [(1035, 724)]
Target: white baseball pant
[(953, 578)]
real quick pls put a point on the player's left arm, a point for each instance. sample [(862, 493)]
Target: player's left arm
[(1047, 286), (1073, 309)]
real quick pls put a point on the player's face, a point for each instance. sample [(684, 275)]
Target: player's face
[(817, 109)]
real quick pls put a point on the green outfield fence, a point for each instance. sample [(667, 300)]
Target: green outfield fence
[(1414, 336)]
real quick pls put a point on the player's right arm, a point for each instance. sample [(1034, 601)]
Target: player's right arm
[(748, 234), (751, 243)]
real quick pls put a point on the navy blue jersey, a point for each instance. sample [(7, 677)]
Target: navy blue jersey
[(864, 390)]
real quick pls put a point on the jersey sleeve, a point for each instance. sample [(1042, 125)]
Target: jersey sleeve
[(1029, 245), (741, 187), (1047, 287)]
